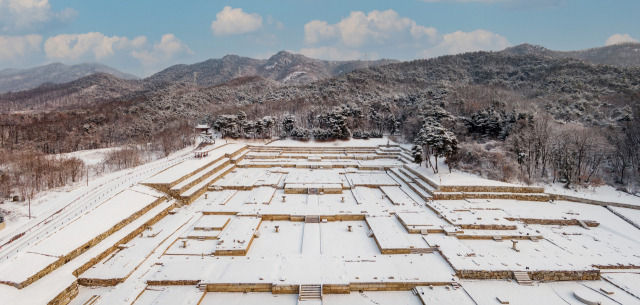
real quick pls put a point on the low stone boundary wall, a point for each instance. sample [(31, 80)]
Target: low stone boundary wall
[(487, 227), (490, 189), (296, 218), (542, 275), (486, 195), (554, 222), (345, 288), (594, 202)]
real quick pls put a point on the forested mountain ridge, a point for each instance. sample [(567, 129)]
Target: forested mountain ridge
[(284, 67), (621, 54), (497, 105), (23, 79)]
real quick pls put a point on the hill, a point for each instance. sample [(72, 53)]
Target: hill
[(284, 67), (622, 55), (23, 79)]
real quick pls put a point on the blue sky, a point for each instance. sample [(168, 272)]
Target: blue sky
[(145, 36)]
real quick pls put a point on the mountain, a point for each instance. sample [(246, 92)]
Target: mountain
[(92, 89), (621, 55), (284, 67), (57, 73)]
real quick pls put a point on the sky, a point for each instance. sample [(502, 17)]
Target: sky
[(145, 36)]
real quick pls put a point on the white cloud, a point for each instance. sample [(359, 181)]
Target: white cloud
[(234, 21), (168, 48), (29, 15), (12, 47), (388, 33), (619, 38), (461, 42), (333, 53), (374, 28), (93, 45)]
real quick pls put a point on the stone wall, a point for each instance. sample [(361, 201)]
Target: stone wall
[(393, 286), (554, 222), (75, 253), (594, 202), (543, 275), (66, 296), (126, 239), (488, 195), (195, 195), (242, 287), (487, 227)]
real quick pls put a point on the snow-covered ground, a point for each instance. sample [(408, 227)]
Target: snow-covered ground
[(603, 193), (252, 230)]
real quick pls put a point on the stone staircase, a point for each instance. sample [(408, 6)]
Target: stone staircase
[(312, 219), (92, 300), (522, 277), (310, 293)]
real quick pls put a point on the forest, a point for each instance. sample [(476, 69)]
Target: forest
[(517, 118)]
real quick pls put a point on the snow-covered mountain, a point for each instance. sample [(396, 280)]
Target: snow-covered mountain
[(622, 55), (283, 67), (57, 73)]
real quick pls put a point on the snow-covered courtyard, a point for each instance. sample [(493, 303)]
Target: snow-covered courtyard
[(351, 222)]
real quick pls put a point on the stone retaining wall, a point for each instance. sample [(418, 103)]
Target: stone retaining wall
[(189, 199), (490, 189), (75, 253), (124, 240), (554, 222), (66, 296), (486, 195), (173, 283), (543, 275), (487, 227), (594, 202), (242, 287)]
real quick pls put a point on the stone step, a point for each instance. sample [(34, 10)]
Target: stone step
[(425, 186), (310, 292), (396, 171), (92, 300), (312, 219), (420, 191), (583, 224), (522, 277)]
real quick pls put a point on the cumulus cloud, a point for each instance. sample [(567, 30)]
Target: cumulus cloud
[(12, 47), (461, 42), (619, 38), (30, 15), (388, 33), (234, 21), (375, 28), (93, 45), (168, 48)]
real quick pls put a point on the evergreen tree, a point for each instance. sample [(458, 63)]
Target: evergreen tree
[(288, 123), (416, 153)]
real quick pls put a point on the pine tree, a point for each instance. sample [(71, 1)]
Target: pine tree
[(416, 153)]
